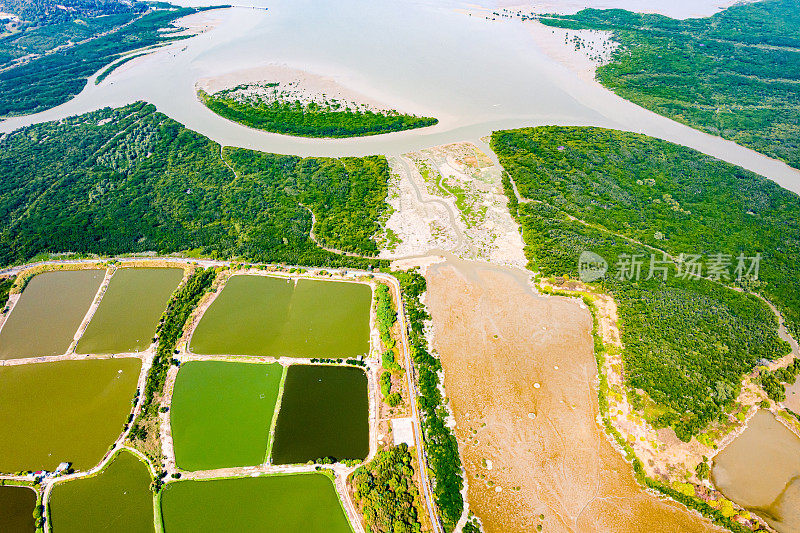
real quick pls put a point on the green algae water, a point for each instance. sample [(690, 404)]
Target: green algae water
[(66, 411), (126, 319), (48, 313), (222, 412), (16, 509), (300, 503), (116, 499), (760, 470), (268, 316), (324, 413)]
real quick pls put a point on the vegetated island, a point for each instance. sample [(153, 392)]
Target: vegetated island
[(735, 74), (48, 61), (287, 109), (693, 353)]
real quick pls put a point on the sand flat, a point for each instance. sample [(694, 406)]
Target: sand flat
[(547, 454)]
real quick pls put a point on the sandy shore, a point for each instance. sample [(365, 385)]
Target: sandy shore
[(313, 85), (679, 9)]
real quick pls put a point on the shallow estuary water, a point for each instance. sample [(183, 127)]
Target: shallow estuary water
[(426, 57)]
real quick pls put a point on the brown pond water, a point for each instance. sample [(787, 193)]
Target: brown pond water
[(16, 509), (760, 470), (48, 313), (64, 411), (550, 462)]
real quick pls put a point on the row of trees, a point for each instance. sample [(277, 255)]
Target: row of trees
[(5, 289), (688, 341), (310, 120), (132, 180), (734, 74), (170, 329), (440, 442)]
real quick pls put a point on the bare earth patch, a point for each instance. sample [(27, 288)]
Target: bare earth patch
[(522, 381), (450, 198)]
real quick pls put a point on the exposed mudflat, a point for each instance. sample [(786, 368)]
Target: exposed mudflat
[(521, 378)]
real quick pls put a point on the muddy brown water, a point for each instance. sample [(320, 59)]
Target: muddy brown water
[(760, 470), (550, 462), (48, 313), (16, 509)]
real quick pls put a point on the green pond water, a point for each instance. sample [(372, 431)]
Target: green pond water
[(16, 509), (760, 470), (48, 313), (221, 413), (126, 319), (324, 413), (117, 499), (66, 411), (301, 503), (267, 316)]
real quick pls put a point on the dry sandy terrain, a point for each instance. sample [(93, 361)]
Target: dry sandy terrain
[(450, 198), (521, 377), (312, 86)]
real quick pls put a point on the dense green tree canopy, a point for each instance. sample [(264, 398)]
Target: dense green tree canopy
[(132, 180), (52, 79), (687, 340), (735, 74), (310, 120)]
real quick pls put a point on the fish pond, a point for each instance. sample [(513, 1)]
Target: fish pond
[(126, 319), (65, 411), (116, 499), (269, 316), (48, 313), (222, 412), (306, 503), (760, 470), (16, 509), (324, 414)]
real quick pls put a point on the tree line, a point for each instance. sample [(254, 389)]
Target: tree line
[(132, 180), (687, 341), (735, 74)]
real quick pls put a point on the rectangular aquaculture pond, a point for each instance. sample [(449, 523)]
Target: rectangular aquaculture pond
[(306, 503), (48, 313), (116, 499), (66, 411), (269, 316), (324, 414), (221, 413), (16, 509), (126, 319)]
